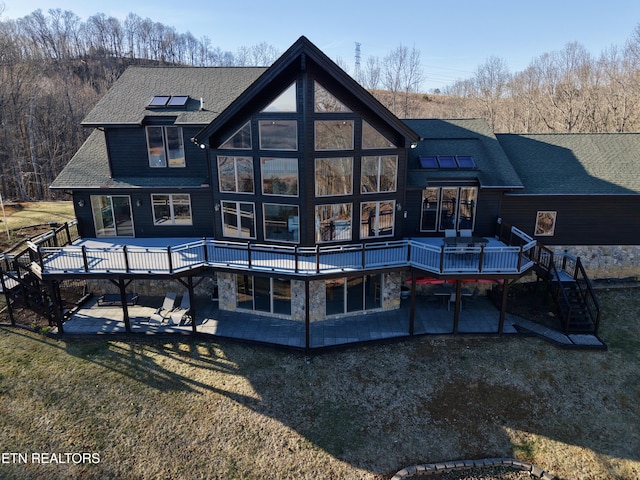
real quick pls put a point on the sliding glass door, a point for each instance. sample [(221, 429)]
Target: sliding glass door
[(112, 215)]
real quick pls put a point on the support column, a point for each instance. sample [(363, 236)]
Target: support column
[(503, 306), (307, 318), (456, 313), (412, 310), (125, 309), (192, 302), (54, 307)]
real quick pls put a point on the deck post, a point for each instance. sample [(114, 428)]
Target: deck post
[(126, 258), (170, 259), (317, 260), (456, 313), (192, 302), (503, 306), (307, 319), (66, 229), (125, 308), (249, 255), (412, 309), (85, 260), (206, 251), (54, 307), (7, 297), (295, 253)]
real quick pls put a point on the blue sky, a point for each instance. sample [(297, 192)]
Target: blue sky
[(453, 36)]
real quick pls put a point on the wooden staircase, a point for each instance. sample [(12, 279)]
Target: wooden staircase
[(574, 297)]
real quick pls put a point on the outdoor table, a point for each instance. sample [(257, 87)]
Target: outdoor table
[(465, 241)]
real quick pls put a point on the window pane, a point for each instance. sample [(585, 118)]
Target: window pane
[(285, 102), (161, 209), (373, 292), (334, 176), (227, 174), (262, 294), (278, 134), (429, 221), (335, 296), (103, 217), (122, 213), (281, 222), (326, 102), (279, 176), (239, 140), (448, 208), (247, 220), (355, 294), (333, 222), (235, 174), (155, 144), (244, 287), (388, 173), (281, 296), (467, 207), (333, 135), (230, 219), (379, 174), (181, 209), (377, 219), (372, 138), (175, 146), (545, 223)]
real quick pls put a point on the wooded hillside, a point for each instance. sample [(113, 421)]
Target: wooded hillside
[(54, 67)]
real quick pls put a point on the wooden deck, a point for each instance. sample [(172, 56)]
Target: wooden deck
[(134, 257)]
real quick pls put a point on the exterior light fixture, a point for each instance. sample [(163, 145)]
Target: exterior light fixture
[(138, 202), (81, 203)]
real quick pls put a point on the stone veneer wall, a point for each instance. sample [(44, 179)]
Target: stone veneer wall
[(605, 261)]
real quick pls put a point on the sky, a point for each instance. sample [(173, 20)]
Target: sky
[(453, 37)]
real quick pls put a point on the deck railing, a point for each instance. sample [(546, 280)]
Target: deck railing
[(284, 259)]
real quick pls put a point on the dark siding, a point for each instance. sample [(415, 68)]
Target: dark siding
[(201, 214), (580, 220), (128, 154)]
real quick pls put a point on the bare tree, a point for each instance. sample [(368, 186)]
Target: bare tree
[(491, 82), (402, 76)]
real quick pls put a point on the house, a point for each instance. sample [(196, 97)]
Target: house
[(307, 200)]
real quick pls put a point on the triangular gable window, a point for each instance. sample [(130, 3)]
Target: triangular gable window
[(239, 140), (285, 102), (326, 102), (372, 138)]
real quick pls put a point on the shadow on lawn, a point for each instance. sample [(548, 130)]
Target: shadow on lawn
[(380, 408)]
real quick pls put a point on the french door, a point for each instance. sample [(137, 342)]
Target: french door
[(112, 215)]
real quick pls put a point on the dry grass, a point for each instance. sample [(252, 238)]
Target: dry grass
[(21, 217), (191, 408)]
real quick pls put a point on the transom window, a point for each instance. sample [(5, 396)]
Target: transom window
[(334, 176), (235, 174), (165, 147), (379, 174), (279, 176), (281, 222), (372, 138), (285, 102), (377, 219), (278, 134), (333, 134), (241, 139), (326, 102), (446, 208), (333, 222), (171, 209), (238, 219)]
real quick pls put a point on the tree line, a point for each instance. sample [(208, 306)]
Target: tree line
[(568, 90), (54, 67)]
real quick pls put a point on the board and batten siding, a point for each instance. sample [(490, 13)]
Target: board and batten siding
[(580, 219)]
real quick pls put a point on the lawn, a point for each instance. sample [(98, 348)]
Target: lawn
[(30, 218), (191, 408)]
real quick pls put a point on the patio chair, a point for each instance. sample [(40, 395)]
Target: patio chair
[(449, 233), (179, 314), (162, 313), (466, 233)]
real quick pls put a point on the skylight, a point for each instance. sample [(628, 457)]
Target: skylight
[(160, 101), (434, 162)]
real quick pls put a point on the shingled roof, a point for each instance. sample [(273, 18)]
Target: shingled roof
[(471, 137), (575, 163), (127, 100)]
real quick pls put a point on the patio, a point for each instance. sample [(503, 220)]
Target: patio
[(433, 317)]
